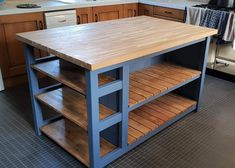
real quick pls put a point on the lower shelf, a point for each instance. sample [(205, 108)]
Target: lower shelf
[(142, 121), (156, 113), (74, 139)]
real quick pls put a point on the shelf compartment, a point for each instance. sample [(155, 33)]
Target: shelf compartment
[(144, 84), (66, 73), (74, 139), (71, 105), (158, 79), (147, 118), (142, 120)]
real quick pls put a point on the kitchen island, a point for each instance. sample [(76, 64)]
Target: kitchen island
[(119, 82)]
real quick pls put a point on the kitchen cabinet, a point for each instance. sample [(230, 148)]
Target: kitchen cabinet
[(12, 57), (130, 10), (84, 15), (102, 13), (168, 13), (145, 10)]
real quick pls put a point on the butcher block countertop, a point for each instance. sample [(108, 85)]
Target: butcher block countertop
[(98, 45)]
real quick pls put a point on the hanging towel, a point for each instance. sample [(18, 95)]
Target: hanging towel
[(222, 23), (234, 39), (211, 18), (194, 15), (229, 30), (229, 34)]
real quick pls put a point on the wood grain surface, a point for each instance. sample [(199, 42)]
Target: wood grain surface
[(97, 45), (141, 121), (74, 139), (143, 84), (71, 105), (156, 113)]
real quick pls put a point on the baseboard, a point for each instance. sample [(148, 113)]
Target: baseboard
[(221, 75)]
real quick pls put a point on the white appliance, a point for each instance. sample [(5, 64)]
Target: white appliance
[(1, 81), (60, 18)]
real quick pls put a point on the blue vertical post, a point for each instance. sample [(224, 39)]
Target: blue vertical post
[(93, 118), (202, 65), (123, 106), (34, 88)]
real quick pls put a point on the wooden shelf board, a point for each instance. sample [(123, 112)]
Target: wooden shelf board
[(144, 84), (71, 105), (142, 120), (70, 75), (156, 113), (74, 139), (157, 79)]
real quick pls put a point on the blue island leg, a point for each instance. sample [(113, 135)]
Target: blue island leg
[(93, 118), (95, 126), (34, 87)]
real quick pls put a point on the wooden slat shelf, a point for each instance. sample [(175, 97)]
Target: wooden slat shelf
[(143, 84), (156, 113), (71, 76), (142, 120), (157, 79), (74, 139), (71, 105)]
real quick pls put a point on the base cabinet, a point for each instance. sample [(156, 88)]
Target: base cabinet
[(103, 13), (84, 15), (145, 10), (130, 10), (12, 57)]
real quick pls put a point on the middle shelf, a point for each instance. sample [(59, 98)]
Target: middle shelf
[(142, 120), (143, 84)]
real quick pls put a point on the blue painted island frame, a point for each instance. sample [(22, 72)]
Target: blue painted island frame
[(192, 55)]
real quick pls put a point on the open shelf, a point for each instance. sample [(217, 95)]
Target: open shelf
[(144, 84), (158, 79), (142, 120), (74, 139), (70, 75), (147, 118), (71, 105)]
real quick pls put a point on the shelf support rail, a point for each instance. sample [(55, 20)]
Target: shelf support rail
[(95, 126)]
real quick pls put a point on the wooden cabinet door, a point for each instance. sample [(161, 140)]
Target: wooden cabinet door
[(130, 10), (145, 10), (84, 15), (102, 13), (12, 57)]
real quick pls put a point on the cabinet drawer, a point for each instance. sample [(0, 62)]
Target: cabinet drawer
[(168, 18), (169, 12)]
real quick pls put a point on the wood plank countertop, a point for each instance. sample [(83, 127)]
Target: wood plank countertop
[(98, 45)]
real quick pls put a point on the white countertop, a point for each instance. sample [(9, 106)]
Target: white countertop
[(9, 7), (177, 4)]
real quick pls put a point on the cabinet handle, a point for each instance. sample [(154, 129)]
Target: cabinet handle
[(78, 19), (167, 12), (135, 13), (41, 27), (96, 18), (61, 21)]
